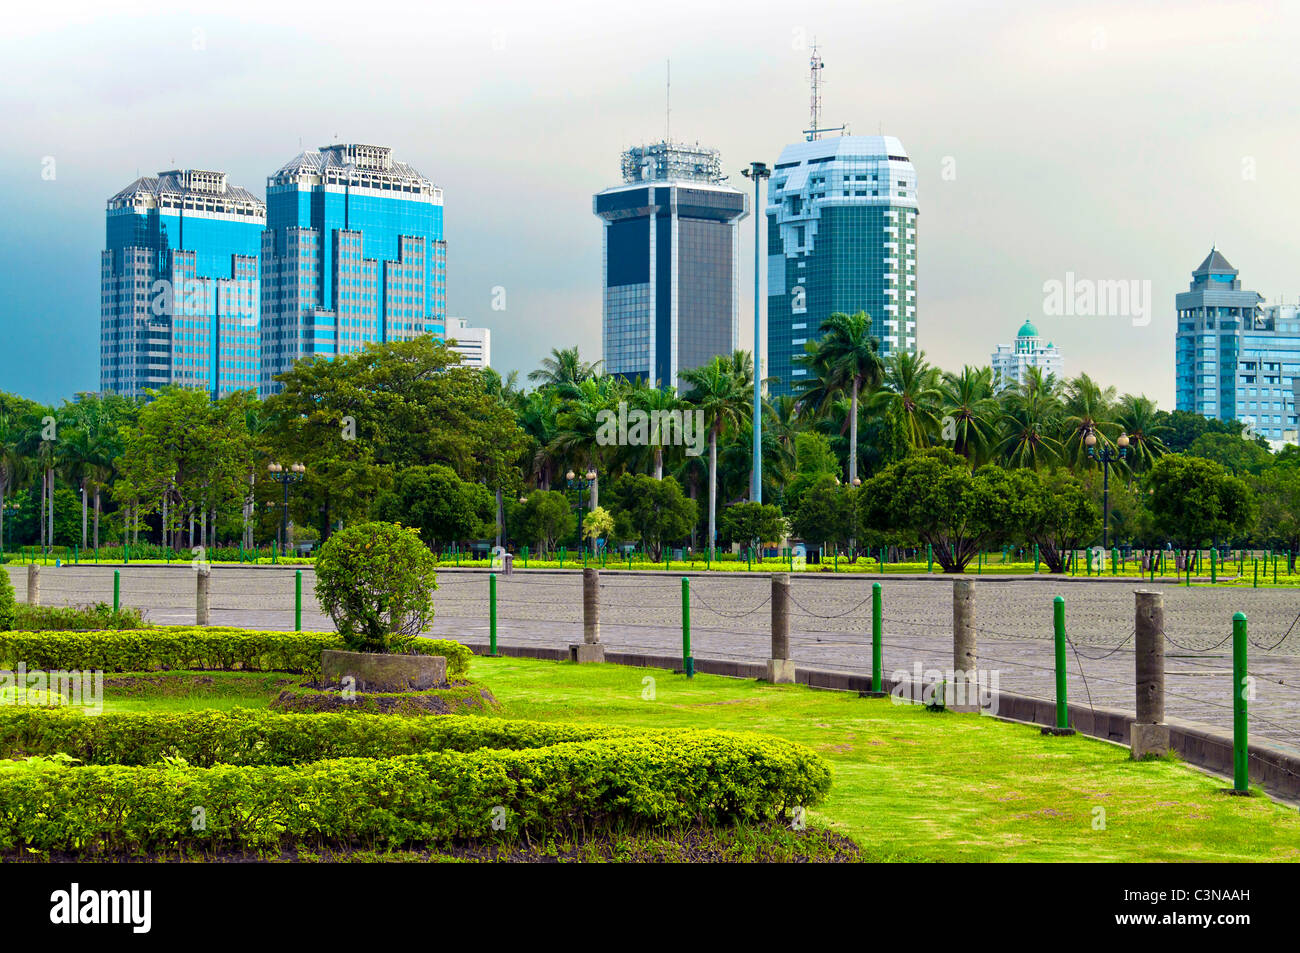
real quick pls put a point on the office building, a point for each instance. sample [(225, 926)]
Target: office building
[(1010, 362), (671, 299), (841, 217), (179, 285), (474, 345), (1235, 357), (353, 253)]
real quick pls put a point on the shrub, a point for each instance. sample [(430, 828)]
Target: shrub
[(193, 647), (630, 780), (8, 605), (241, 736), (51, 618), (376, 582)]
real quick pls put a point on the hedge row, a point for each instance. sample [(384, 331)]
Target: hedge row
[(241, 736), (192, 648), (632, 781)]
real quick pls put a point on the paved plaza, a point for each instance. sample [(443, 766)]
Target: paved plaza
[(830, 625)]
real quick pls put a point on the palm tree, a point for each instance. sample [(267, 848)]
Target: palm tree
[(845, 360), (1087, 410), (973, 410), (37, 443), (564, 369), (722, 389), (579, 424), (1137, 417), (910, 388), (1030, 415), (660, 403), (11, 463)]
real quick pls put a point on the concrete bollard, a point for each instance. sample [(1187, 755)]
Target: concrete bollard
[(780, 667), (590, 649), (33, 585), (963, 695), (203, 597), (1149, 734)]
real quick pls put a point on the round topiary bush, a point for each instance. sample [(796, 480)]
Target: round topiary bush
[(8, 610), (376, 581)]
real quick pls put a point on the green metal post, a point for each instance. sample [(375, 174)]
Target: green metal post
[(117, 589), (1214, 566), (1035, 559), (1114, 560), (877, 620), (492, 614), (297, 600), (1058, 624), (1240, 772), (1255, 562), (929, 557), (688, 661)]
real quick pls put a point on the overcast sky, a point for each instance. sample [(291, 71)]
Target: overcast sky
[(1115, 141)]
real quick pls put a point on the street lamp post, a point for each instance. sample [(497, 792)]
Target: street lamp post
[(758, 171), (284, 475), (1107, 456), (853, 539), (582, 484)]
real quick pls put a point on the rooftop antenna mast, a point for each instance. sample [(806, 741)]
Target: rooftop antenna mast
[(815, 67), (668, 101)]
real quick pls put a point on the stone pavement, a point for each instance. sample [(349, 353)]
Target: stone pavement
[(830, 625)]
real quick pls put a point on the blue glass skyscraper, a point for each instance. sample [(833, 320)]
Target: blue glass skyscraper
[(841, 215), (353, 253), (1235, 357), (179, 285)]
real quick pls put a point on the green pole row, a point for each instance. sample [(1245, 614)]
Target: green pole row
[(1058, 625), (1240, 773), (492, 614), (688, 660), (297, 601), (877, 626), (117, 589)]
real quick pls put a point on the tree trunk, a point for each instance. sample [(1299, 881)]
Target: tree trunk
[(853, 433), (96, 517), (84, 503), (659, 463)]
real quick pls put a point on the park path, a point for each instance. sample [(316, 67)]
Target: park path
[(830, 625)]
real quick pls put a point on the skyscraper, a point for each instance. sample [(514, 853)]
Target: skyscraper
[(671, 300), (1010, 362), (179, 285), (841, 215), (1235, 358), (353, 254)]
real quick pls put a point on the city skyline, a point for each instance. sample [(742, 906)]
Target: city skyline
[(1062, 152)]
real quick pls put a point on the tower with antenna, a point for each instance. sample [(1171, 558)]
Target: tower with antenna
[(815, 67)]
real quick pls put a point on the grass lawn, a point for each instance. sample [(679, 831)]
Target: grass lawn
[(909, 784)]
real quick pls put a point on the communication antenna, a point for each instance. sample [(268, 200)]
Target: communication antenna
[(668, 101), (815, 67)]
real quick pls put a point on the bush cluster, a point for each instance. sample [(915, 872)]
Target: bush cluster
[(541, 780), (181, 648), (8, 605)]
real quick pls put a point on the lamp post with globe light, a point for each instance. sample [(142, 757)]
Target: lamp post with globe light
[(1107, 456), (583, 485), (284, 475)]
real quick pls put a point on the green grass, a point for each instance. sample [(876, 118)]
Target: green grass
[(915, 785), (908, 784)]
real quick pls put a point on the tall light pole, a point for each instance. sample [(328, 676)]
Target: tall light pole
[(284, 476), (582, 484), (1107, 456), (757, 171)]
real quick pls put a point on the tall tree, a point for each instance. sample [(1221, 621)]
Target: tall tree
[(722, 390), (844, 361)]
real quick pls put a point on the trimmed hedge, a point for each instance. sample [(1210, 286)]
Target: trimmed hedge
[(626, 779), (243, 736), (192, 648)]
